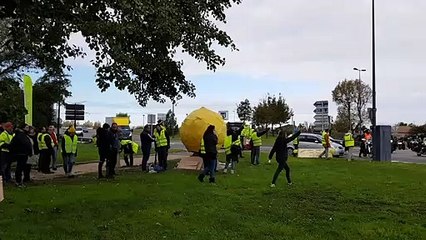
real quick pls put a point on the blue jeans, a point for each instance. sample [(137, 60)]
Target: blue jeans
[(210, 168), (54, 157), (231, 161), (255, 154), (69, 160), (5, 165)]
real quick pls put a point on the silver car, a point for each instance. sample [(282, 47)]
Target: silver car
[(314, 141)]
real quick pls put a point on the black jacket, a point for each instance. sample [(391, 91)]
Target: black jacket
[(146, 140), (48, 141), (280, 147), (35, 144), (102, 139), (210, 143), (20, 144)]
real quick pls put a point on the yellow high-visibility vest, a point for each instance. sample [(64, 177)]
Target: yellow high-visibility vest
[(70, 144), (41, 142), (227, 144), (349, 140), (160, 138), (257, 141), (203, 147), (5, 138)]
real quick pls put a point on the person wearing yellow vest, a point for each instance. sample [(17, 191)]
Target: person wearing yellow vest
[(232, 147), (69, 150), (129, 148), (326, 144), (256, 143), (46, 148), (246, 134), (349, 143), (5, 156), (227, 144), (162, 144)]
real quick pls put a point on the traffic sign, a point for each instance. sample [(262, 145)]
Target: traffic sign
[(151, 118), (74, 112)]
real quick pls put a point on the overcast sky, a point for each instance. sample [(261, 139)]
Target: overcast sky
[(300, 48)]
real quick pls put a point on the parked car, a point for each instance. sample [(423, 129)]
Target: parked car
[(314, 141), (79, 131), (126, 133)]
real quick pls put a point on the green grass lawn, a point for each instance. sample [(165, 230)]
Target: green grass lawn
[(329, 200)]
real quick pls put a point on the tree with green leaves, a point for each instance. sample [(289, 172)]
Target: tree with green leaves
[(352, 98), (11, 101), (135, 41), (171, 123), (47, 91), (272, 111), (244, 111)]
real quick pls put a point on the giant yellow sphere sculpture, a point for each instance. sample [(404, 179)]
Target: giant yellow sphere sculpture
[(196, 123)]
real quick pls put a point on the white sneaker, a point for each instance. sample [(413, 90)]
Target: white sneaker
[(269, 161), (290, 183), (232, 171), (225, 170), (272, 185)]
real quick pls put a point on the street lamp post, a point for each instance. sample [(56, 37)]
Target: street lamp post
[(373, 70)]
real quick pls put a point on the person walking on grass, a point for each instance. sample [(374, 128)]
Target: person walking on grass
[(349, 143), (69, 150), (256, 143), (210, 142), (280, 149), (232, 147), (326, 144)]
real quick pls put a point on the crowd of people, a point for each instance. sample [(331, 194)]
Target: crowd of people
[(39, 148), (234, 142), (28, 147)]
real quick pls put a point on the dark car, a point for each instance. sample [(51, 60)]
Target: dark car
[(126, 133)]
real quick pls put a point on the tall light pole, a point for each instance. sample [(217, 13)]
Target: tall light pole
[(359, 71), (373, 72), (373, 120)]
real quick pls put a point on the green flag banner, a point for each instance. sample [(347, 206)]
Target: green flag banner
[(28, 99)]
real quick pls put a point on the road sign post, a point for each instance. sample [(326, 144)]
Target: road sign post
[(74, 112)]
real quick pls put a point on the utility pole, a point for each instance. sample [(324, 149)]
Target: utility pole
[(374, 109), (58, 119)]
